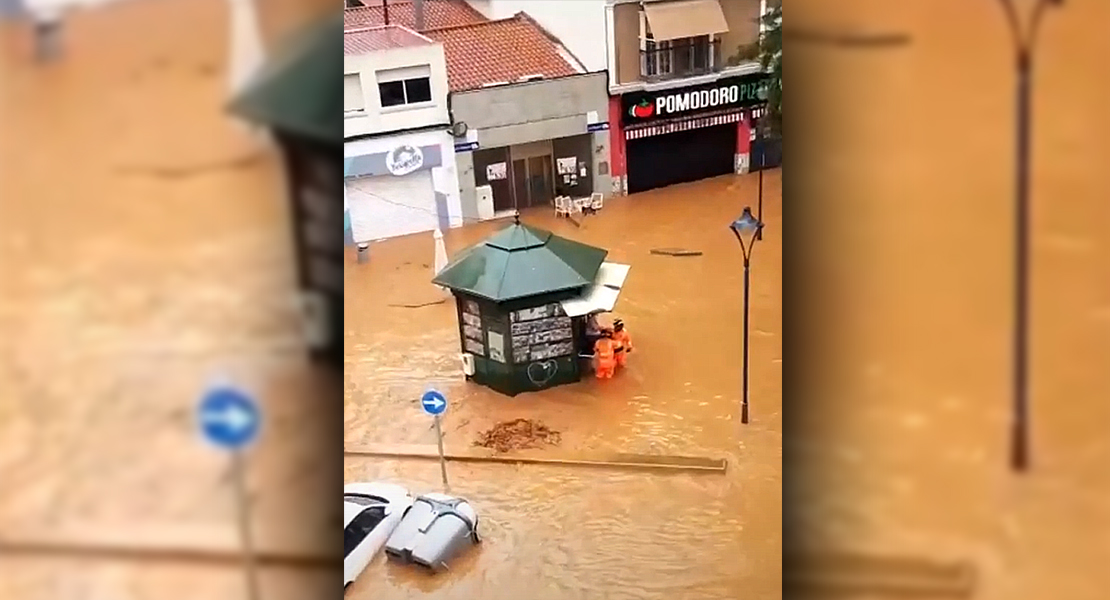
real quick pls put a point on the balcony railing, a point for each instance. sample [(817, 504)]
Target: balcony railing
[(677, 59)]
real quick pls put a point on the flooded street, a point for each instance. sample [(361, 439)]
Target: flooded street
[(904, 421), (145, 250), (567, 532)]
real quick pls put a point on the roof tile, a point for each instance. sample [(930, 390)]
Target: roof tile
[(369, 39), (437, 14), (502, 51)]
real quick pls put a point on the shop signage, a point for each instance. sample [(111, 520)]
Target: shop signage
[(726, 93), (404, 159)]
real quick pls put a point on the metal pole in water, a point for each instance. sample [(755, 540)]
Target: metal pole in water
[(442, 455), (246, 537)]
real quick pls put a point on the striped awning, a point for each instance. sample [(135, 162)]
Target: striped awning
[(635, 133)]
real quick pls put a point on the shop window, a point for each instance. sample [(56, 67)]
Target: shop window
[(398, 87)]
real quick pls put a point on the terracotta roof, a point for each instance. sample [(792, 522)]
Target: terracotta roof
[(369, 39), (437, 14), (502, 51)]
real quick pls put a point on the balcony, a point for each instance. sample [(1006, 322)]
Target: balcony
[(681, 58)]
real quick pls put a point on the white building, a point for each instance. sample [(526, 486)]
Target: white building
[(399, 158)]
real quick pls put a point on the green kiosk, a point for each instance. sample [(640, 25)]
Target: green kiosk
[(523, 297), (295, 96)]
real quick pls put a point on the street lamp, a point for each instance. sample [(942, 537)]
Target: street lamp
[(747, 229), (758, 123), (1024, 41)]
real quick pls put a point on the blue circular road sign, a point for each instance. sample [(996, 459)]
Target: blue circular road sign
[(434, 403), (228, 417)]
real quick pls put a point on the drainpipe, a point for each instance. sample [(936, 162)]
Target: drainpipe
[(418, 15), (385, 11)]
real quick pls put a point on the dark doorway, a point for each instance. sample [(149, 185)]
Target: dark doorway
[(533, 183), (663, 160)]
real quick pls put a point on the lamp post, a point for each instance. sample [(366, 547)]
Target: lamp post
[(758, 123), (747, 229), (1024, 41)]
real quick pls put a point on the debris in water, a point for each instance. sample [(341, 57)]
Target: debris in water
[(675, 252), (519, 434), (419, 304)]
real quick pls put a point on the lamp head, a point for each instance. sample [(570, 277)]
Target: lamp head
[(746, 228)]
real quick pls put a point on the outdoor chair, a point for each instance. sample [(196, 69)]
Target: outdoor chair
[(563, 206), (597, 200)]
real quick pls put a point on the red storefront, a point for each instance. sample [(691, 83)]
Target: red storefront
[(664, 137)]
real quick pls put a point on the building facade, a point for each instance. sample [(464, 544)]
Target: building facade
[(684, 80), (399, 158), (676, 135), (531, 141), (675, 51)]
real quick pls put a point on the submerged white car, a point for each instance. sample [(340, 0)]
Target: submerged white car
[(371, 511)]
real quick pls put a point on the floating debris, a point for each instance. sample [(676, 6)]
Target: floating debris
[(519, 434), (675, 252)]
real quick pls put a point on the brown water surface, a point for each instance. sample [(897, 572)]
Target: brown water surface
[(561, 533)]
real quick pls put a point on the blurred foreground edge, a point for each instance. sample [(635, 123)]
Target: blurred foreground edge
[(845, 574), (294, 96), (145, 551)]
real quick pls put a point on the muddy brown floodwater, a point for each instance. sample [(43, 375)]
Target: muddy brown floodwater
[(905, 429), (144, 249), (561, 533)]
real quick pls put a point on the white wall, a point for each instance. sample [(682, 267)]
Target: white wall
[(579, 24), (445, 178), (374, 119)]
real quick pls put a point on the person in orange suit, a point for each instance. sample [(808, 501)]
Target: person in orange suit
[(623, 342), (604, 352)]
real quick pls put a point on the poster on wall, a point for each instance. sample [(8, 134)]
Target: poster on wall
[(541, 333), (567, 165), (497, 171)]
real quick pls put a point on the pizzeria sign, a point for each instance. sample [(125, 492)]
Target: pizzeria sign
[(730, 92)]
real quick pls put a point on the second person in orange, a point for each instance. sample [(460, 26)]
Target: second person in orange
[(605, 353), (622, 341)]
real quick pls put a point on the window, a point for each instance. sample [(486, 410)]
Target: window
[(352, 94), (411, 85), (360, 527), (406, 91), (684, 56)]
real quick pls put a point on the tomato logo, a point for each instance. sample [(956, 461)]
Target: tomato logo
[(644, 109)]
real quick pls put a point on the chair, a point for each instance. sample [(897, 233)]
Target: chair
[(563, 206), (597, 200)]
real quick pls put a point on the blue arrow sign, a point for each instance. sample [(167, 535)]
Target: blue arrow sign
[(228, 418), (434, 403)]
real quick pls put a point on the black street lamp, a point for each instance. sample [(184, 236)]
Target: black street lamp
[(1025, 41), (758, 123), (747, 229)]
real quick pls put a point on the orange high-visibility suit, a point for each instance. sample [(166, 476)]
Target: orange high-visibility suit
[(604, 351), (623, 343)]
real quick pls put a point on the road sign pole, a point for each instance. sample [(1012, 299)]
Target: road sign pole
[(442, 456), (243, 510)]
